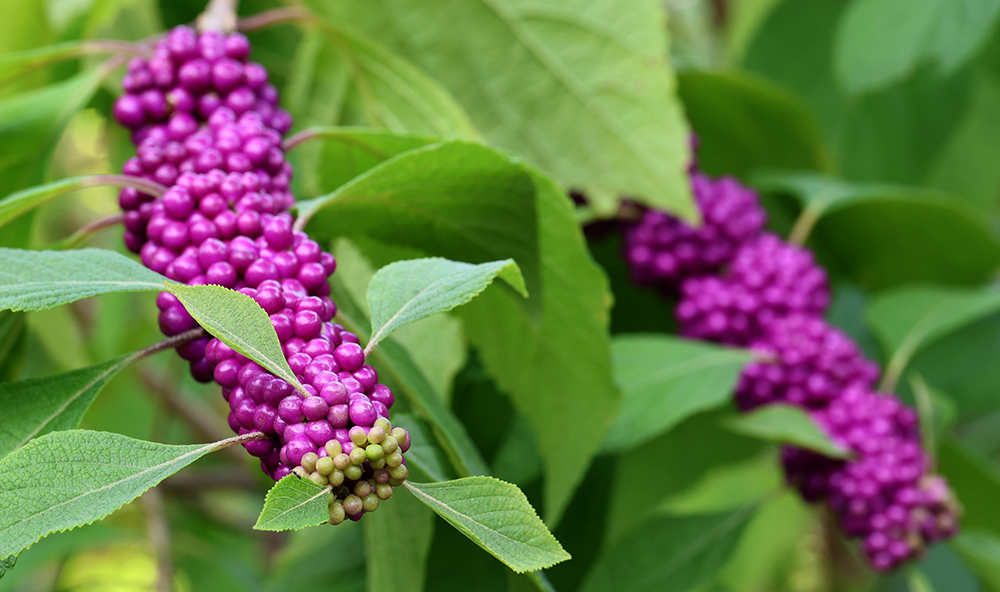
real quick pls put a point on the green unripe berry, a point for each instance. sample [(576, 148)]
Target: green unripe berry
[(309, 461), (325, 466), (395, 482), (376, 435), (371, 502), (353, 472), (393, 460), (358, 456), (400, 472), (383, 423), (318, 479), (342, 461), (383, 491), (336, 477), (358, 435), (300, 472), (333, 448), (374, 452), (377, 464), (362, 488), (337, 513), (353, 505), (390, 445), (399, 434)]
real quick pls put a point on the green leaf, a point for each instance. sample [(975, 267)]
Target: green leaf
[(496, 516), (37, 280), (293, 503), (785, 424), (602, 69), (454, 199), (980, 551), (240, 323), (675, 553), (407, 291), (397, 544), (20, 62), (882, 41), (907, 320), (886, 236), (745, 123), (975, 479), (346, 152), (36, 406), (7, 564), (665, 380), (67, 479)]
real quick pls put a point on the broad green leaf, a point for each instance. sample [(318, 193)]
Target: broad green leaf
[(665, 380), (453, 199), (496, 516), (907, 320), (240, 323), (18, 203), (37, 280), (36, 406), (886, 236), (745, 123), (293, 503), (882, 41), (397, 543), (89, 475), (675, 553), (581, 89), (980, 551), (407, 291), (975, 480), (7, 564), (786, 424), (346, 152), (12, 342)]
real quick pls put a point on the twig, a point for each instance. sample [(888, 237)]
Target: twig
[(219, 15), (159, 538), (93, 46), (145, 185), (270, 18), (89, 229)]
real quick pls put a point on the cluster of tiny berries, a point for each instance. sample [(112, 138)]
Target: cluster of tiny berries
[(744, 287), (206, 124)]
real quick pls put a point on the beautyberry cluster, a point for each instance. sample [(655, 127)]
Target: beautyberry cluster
[(207, 125), (743, 287)]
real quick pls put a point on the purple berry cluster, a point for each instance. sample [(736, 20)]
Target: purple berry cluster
[(207, 125), (662, 251), (744, 287)]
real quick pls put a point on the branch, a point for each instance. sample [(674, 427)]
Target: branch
[(144, 185)]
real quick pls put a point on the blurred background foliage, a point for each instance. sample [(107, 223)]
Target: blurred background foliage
[(870, 126)]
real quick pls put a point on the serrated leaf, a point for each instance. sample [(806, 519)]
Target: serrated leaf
[(238, 321), (675, 553), (458, 200), (67, 479), (599, 66), (786, 424), (37, 280), (40, 405), (407, 291), (496, 516), (904, 321), (665, 380), (7, 564), (293, 503)]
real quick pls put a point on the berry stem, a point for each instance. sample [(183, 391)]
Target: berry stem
[(221, 444), (170, 343), (88, 230), (805, 223), (115, 46), (269, 18), (144, 185), (219, 15)]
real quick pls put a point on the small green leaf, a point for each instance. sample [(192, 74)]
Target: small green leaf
[(665, 380), (785, 424), (240, 323), (496, 516), (407, 291), (7, 564), (67, 479), (675, 553), (907, 320), (293, 503), (40, 405), (37, 280)]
